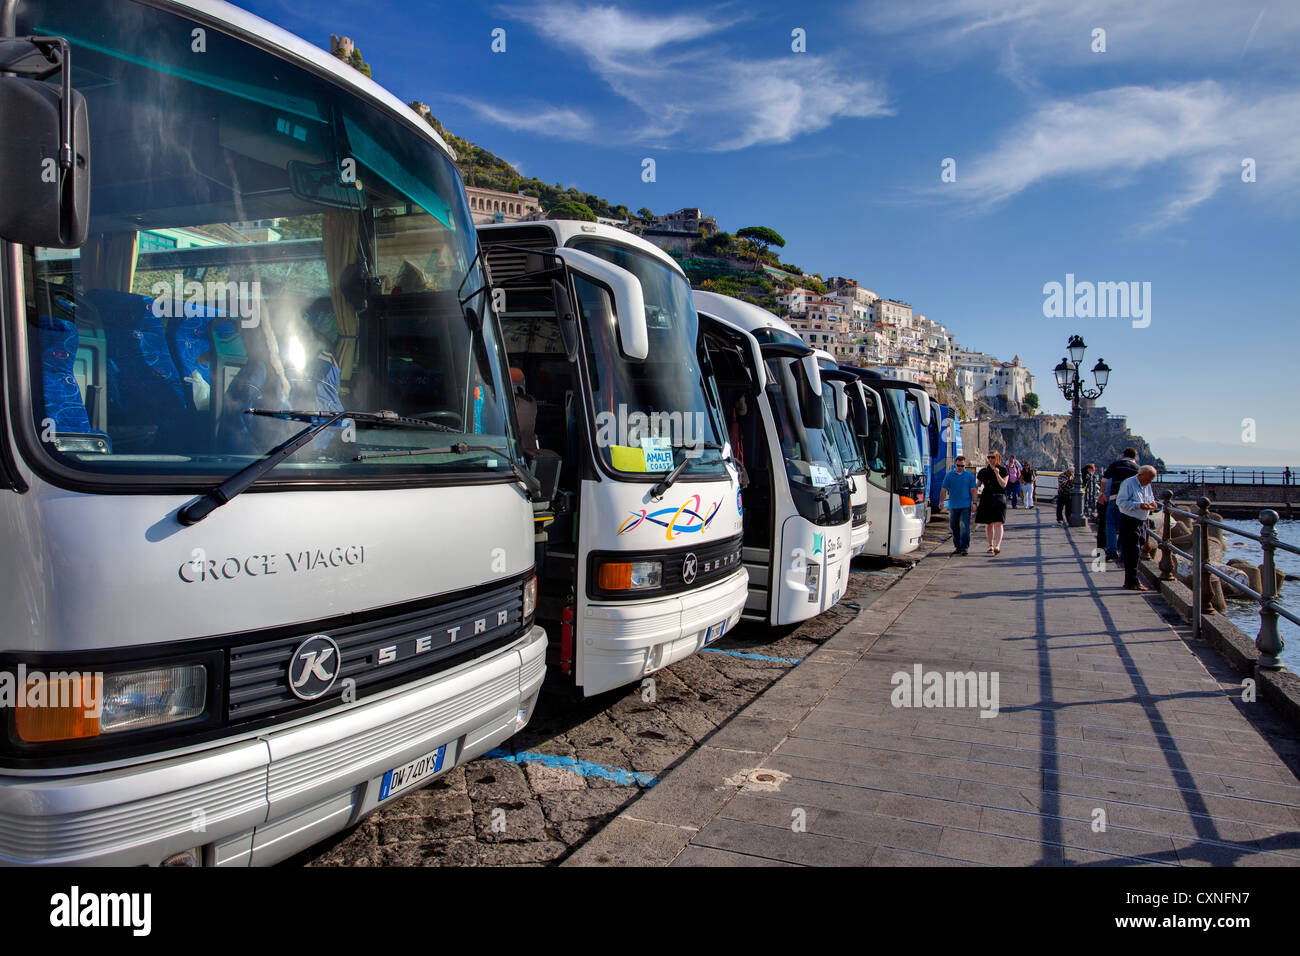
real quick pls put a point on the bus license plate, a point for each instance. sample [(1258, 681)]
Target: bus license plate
[(412, 773), (715, 632)]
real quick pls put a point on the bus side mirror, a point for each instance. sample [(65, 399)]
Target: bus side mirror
[(812, 408), (841, 402), (45, 149), (568, 321), (923, 404), (813, 372), (625, 289)]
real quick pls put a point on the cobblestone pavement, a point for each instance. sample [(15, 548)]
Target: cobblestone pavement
[(533, 808)]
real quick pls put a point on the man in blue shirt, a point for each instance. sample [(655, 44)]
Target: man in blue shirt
[(958, 490), (1135, 502)]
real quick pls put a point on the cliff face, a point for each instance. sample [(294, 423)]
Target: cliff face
[(1047, 442)]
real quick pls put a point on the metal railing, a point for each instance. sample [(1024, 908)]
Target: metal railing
[(1283, 475), (1269, 643)]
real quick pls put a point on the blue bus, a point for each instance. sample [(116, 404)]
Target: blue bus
[(945, 446)]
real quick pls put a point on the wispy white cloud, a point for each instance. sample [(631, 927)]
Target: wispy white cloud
[(1187, 141), (1059, 32), (694, 92), (560, 122)]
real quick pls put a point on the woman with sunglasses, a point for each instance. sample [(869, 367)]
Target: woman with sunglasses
[(992, 509)]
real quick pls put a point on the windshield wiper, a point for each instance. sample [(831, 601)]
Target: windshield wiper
[(463, 448), (237, 483), (662, 486), (666, 482)]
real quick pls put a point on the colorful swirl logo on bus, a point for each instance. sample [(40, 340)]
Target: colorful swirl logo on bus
[(675, 521)]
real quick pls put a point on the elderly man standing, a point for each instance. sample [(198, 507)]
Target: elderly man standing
[(1135, 502)]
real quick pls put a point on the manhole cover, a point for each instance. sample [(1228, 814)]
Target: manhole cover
[(758, 779)]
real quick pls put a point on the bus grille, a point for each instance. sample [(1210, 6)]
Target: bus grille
[(406, 646)]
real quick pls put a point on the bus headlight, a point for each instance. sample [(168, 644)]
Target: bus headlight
[(629, 575), (70, 706), (530, 597)]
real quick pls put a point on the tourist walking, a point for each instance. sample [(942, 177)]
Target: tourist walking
[(1091, 486), (1064, 487), (1116, 474), (1135, 501), (1027, 476), (1013, 481), (992, 509), (958, 489)]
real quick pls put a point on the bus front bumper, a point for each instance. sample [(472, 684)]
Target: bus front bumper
[(262, 799), (623, 642)]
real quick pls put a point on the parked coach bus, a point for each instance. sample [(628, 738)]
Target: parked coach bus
[(267, 531), (641, 558), (945, 445), (894, 464), (848, 424), (796, 519)]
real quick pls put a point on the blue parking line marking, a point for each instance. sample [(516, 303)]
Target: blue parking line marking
[(582, 767), (753, 657)]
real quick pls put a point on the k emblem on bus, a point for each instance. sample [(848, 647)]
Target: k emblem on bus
[(314, 667), (688, 568)]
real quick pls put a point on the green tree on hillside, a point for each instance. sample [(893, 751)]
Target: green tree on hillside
[(762, 237), (355, 61), (1031, 403), (644, 214), (572, 210)]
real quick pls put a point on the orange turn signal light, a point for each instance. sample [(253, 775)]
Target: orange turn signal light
[(615, 576), (906, 500), (60, 707)]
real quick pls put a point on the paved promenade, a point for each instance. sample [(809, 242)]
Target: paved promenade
[(1117, 741)]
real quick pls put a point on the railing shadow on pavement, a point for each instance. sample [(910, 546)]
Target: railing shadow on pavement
[(1197, 810)]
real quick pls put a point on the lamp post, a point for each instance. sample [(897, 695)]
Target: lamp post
[(1071, 385)]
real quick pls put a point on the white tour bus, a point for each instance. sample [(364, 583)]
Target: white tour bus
[(640, 560), (253, 270), (796, 519), (894, 463), (847, 424)]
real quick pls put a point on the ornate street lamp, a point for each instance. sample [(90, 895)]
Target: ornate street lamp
[(1071, 385)]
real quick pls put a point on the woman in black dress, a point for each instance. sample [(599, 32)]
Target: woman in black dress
[(992, 508)]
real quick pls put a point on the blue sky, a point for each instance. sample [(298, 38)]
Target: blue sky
[(1122, 165)]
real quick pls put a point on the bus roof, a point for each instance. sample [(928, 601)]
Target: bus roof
[(230, 19), (565, 230), (873, 377), (744, 315)]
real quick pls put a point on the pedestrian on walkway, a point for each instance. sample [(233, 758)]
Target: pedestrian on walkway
[(1101, 516), (992, 509), (1064, 487), (1116, 474), (1091, 487), (1027, 476), (958, 489), (1013, 481), (1136, 500)]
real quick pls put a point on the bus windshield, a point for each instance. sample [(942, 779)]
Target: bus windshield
[(260, 239), (907, 447), (812, 461), (846, 442), (650, 413)]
